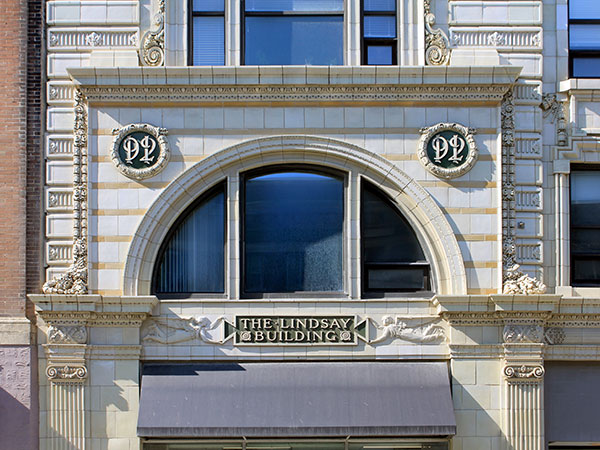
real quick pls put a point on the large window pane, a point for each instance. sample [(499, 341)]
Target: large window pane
[(293, 233), (380, 54), (192, 259), (294, 5), (584, 37), (209, 41), (380, 26), (285, 40), (209, 5), (584, 9), (380, 5), (586, 67)]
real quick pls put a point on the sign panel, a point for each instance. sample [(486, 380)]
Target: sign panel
[(297, 330)]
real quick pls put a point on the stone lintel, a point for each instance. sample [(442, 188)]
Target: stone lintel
[(15, 331)]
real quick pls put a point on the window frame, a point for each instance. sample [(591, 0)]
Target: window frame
[(244, 14), (377, 42), (280, 168), (190, 31), (353, 261), (207, 194), (582, 54), (585, 257)]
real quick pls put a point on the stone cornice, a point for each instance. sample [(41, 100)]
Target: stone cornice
[(93, 310), (293, 83)]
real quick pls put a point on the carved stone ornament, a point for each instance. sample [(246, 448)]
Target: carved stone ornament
[(152, 51), (67, 373), (524, 372), (425, 333), (523, 334), (437, 52), (554, 336), (67, 335), (447, 150), (75, 279), (551, 106), (139, 150), (513, 280), (172, 330)]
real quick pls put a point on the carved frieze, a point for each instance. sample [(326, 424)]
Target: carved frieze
[(429, 332), (172, 330), (67, 334), (523, 334), (554, 335)]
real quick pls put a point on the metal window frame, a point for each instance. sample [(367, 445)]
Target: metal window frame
[(191, 15), (244, 14), (595, 53), (365, 42)]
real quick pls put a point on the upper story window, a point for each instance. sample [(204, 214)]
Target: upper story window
[(207, 40), (294, 237), (584, 38), (379, 33), (585, 228), (293, 32)]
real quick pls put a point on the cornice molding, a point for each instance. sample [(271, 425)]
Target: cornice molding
[(281, 83)]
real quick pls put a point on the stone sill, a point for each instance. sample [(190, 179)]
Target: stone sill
[(295, 75), (579, 84), (497, 303)]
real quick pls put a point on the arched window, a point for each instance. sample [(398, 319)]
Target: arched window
[(296, 236), (192, 258), (292, 232), (392, 258)]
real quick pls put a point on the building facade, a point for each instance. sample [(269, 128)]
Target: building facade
[(342, 224)]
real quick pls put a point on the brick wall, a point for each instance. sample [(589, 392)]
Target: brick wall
[(13, 151)]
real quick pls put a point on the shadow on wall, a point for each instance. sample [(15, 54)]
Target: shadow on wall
[(15, 427)]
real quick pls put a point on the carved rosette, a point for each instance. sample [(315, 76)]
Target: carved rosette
[(143, 173), (467, 164), (152, 51), (75, 279), (68, 373), (524, 372), (554, 336), (437, 52), (514, 281), (67, 334)]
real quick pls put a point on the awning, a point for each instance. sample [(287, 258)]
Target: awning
[(393, 399)]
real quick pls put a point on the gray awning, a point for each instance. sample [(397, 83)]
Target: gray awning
[(392, 399)]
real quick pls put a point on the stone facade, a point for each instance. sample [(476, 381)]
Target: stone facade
[(496, 234)]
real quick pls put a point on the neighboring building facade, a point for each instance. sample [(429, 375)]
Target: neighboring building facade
[(21, 112), (309, 224)]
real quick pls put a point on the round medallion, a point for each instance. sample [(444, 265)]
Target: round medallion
[(447, 150), (139, 150)]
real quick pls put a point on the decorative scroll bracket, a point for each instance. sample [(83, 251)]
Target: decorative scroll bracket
[(437, 46), (152, 51)]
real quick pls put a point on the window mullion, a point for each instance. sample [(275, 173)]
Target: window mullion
[(353, 246)]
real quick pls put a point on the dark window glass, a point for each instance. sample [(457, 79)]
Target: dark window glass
[(207, 33), (584, 38), (379, 43), (585, 228), (300, 40), (292, 229), (192, 257), (299, 32), (392, 257)]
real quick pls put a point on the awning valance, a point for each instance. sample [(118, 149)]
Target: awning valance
[(296, 400)]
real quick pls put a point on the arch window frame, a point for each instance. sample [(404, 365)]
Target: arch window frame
[(353, 273)]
